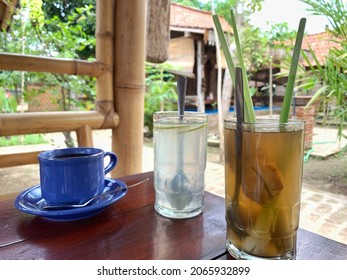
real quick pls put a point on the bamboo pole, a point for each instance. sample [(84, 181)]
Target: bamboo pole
[(104, 55), (85, 136), (33, 63), (19, 159), (129, 87), (45, 122), (104, 48)]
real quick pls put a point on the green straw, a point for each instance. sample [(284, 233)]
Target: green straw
[(292, 73)]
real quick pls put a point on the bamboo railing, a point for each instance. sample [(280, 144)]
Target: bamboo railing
[(119, 71), (33, 63)]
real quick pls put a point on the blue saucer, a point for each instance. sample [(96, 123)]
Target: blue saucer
[(31, 202)]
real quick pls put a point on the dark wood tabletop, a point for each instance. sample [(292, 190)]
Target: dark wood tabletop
[(131, 229)]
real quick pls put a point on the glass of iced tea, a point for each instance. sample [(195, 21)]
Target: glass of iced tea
[(263, 178), (180, 149)]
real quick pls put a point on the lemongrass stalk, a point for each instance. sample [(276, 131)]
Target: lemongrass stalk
[(224, 45), (249, 110), (284, 116)]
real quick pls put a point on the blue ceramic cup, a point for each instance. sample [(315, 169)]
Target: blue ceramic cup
[(72, 175)]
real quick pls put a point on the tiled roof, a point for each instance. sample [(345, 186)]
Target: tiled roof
[(190, 18), (320, 43)]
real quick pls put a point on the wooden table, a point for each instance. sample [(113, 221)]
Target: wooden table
[(131, 229)]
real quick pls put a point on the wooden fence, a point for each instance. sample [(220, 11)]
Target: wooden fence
[(119, 71)]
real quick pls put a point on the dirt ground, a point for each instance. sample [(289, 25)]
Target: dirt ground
[(329, 174)]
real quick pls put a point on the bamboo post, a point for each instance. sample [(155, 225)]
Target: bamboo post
[(85, 136), (104, 55), (129, 87)]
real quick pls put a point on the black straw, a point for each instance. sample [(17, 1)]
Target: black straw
[(239, 102)]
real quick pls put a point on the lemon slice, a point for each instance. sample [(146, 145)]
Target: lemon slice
[(181, 128)]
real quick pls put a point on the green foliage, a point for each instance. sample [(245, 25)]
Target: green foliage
[(329, 84), (160, 92), (71, 38), (190, 3), (254, 48), (53, 29), (329, 81), (79, 15), (28, 139), (35, 13), (280, 34), (334, 10), (8, 104)]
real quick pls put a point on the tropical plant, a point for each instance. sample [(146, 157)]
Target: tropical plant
[(160, 92), (329, 81), (329, 84)]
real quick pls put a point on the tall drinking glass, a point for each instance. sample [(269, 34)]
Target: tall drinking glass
[(180, 148), (263, 176)]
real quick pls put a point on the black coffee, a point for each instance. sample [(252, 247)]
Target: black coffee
[(71, 156)]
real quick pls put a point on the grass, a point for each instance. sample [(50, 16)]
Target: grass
[(27, 140)]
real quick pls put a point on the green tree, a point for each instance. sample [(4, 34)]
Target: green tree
[(79, 16), (53, 29), (243, 9), (191, 3), (67, 39), (160, 92)]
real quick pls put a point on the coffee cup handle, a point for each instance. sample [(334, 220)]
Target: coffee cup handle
[(113, 161)]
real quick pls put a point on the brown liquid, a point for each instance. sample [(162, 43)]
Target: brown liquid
[(263, 218), (71, 156)]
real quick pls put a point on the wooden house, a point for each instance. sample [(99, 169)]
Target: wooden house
[(192, 48)]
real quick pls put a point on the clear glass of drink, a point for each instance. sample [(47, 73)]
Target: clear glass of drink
[(180, 149), (263, 174)]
